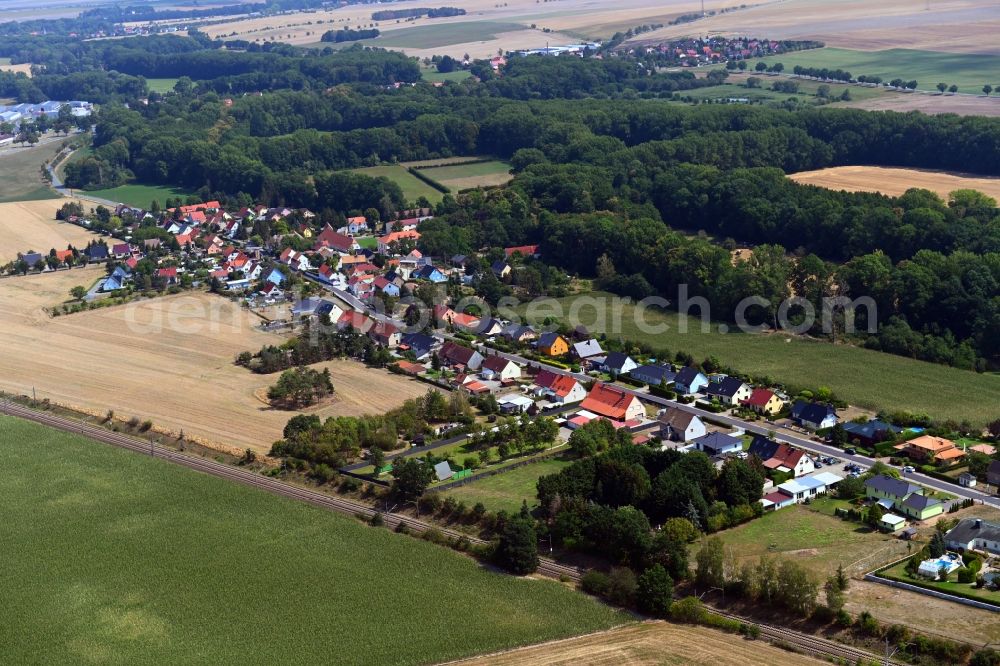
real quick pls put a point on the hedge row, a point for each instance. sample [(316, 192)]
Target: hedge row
[(427, 179)]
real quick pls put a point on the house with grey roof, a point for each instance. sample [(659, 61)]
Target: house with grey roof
[(974, 534)]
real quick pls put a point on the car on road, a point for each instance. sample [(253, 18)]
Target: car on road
[(851, 451), (908, 469)]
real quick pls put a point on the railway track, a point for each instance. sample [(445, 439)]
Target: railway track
[(547, 567)]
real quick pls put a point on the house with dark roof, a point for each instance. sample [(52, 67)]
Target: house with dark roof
[(718, 444), (500, 369), (780, 457), (618, 363), (690, 380), (419, 344), (97, 252), (453, 354), (429, 273), (884, 486), (814, 415), (921, 507), (678, 425), (728, 390), (501, 269), (993, 473), (869, 433), (518, 333), (974, 534), (552, 344), (654, 375)]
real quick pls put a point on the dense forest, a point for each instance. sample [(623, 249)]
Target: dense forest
[(603, 170)]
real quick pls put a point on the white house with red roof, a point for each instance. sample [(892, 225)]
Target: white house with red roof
[(613, 403), (558, 387), (385, 242)]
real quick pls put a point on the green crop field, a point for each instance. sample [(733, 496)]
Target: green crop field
[(139, 195), (21, 175), (116, 557), (412, 186), (443, 34), (508, 490), (966, 70), (807, 91), (161, 85), (446, 175), (860, 376)]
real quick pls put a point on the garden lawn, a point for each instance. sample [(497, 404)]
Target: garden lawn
[(818, 541), (137, 195), (509, 489), (966, 70), (866, 378), (898, 572), (122, 558), (412, 186)]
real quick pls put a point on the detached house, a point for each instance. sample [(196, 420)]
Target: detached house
[(764, 401), (814, 415), (718, 444), (613, 403), (558, 387), (690, 380), (618, 363), (781, 457), (587, 349), (384, 334), (677, 425), (902, 496), (729, 391), (654, 375), (974, 534), (500, 369), (928, 447), (453, 354), (552, 344)]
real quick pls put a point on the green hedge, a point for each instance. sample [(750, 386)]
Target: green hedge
[(430, 181)]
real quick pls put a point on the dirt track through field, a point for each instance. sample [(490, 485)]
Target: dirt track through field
[(647, 644), (894, 181), (163, 360), (31, 225)]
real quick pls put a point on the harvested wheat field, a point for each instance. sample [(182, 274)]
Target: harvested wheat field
[(963, 105), (649, 643), (894, 181), (169, 360), (959, 26), (31, 225)]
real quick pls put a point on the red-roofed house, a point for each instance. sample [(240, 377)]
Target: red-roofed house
[(386, 241), (764, 401), (356, 320), (63, 255), (384, 334), (331, 239), (613, 403), (559, 387), (168, 274)]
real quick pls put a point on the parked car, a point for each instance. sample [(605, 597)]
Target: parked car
[(851, 451), (818, 464)]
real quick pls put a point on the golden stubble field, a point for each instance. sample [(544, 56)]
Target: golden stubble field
[(169, 360), (31, 225), (895, 181), (568, 21), (647, 644), (960, 26)]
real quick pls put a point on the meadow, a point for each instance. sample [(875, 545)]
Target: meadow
[(968, 71), (138, 195), (862, 377), (817, 541), (21, 175), (443, 34), (473, 174), (506, 491), (412, 186), (161, 85), (128, 559)]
